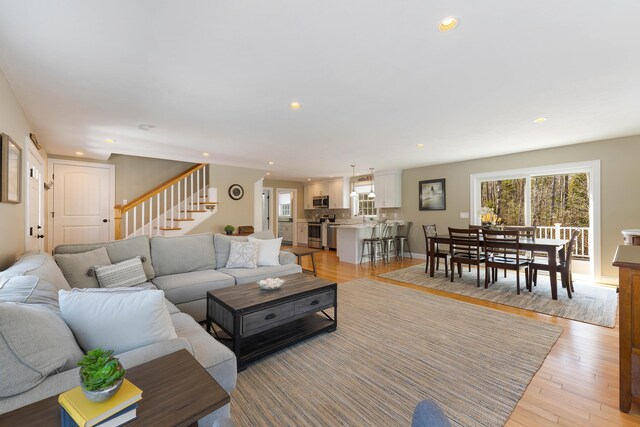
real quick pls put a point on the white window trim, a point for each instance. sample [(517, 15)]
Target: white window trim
[(591, 167)]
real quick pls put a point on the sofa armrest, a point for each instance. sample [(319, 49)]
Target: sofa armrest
[(150, 352), (287, 258)]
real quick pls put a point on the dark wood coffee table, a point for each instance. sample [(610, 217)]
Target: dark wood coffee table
[(259, 322), (176, 391)]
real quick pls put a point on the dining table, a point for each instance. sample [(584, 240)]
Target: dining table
[(549, 246)]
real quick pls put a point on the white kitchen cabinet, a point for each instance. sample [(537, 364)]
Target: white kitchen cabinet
[(388, 189), (303, 233), (339, 193), (285, 230), (310, 191)]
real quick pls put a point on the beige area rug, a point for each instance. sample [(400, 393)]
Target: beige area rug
[(590, 303), (394, 347)]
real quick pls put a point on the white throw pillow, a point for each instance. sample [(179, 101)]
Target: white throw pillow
[(122, 274), (118, 319), (268, 251), (242, 255)]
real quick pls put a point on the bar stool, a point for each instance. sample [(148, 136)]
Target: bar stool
[(374, 242), (389, 239), (402, 238)]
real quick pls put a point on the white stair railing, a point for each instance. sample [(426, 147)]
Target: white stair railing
[(174, 197)]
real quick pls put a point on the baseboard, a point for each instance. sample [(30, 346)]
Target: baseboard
[(609, 280), (419, 256)]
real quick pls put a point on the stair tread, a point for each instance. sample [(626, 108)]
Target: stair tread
[(168, 228), (183, 219), (194, 210)]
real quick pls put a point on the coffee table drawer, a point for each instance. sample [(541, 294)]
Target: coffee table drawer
[(266, 318), (314, 302)]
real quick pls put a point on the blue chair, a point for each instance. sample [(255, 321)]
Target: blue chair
[(429, 414)]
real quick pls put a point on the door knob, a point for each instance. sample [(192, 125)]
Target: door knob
[(40, 236), (105, 220)]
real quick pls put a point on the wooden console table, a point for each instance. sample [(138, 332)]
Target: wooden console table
[(627, 259), (176, 391)]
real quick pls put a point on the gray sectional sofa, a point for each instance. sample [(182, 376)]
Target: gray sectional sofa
[(185, 268)]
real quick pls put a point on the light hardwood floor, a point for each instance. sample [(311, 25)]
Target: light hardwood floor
[(576, 386)]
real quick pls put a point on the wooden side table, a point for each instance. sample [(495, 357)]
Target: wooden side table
[(300, 251), (176, 391)]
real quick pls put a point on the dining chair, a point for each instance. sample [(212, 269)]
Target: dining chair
[(403, 239), (526, 232), (430, 231), (374, 244), (565, 255), (494, 242), (466, 249)]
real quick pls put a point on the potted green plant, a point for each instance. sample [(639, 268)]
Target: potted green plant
[(229, 229), (101, 374)]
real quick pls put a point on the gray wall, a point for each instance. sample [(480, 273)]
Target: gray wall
[(14, 123), (619, 178)]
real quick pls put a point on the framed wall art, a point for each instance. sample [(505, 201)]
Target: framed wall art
[(10, 171), (432, 195)]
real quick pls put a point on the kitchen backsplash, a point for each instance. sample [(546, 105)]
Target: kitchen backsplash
[(391, 213)]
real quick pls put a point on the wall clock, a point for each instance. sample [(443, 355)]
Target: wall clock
[(236, 191)]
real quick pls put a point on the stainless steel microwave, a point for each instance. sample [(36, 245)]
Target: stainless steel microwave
[(320, 202)]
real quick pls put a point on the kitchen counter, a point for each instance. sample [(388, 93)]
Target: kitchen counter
[(349, 240)]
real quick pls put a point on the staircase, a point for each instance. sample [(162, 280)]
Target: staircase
[(171, 209)]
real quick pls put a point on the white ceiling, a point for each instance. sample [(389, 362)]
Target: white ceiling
[(374, 77)]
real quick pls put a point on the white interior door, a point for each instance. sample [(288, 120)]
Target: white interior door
[(82, 203), (34, 236)]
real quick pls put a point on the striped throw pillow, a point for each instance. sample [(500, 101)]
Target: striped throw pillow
[(122, 274)]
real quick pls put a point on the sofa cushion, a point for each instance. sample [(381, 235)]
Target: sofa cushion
[(118, 319), (222, 246), (210, 353), (263, 235), (244, 275), (122, 274), (268, 251), (118, 250), (30, 290), (173, 255), (34, 342), (243, 255), (41, 265), (77, 267), (185, 287)]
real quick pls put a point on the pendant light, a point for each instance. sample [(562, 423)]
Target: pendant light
[(353, 188), (372, 195)]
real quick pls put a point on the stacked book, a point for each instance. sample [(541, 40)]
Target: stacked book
[(78, 411)]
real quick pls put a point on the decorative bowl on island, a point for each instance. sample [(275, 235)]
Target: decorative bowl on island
[(270, 283)]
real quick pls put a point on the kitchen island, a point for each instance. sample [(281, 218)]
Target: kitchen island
[(349, 241)]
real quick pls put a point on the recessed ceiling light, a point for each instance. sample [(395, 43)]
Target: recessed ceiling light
[(448, 24), (110, 140), (146, 126), (540, 120), (79, 153), (272, 162), (295, 105), (308, 179), (205, 154), (268, 173), (419, 145)]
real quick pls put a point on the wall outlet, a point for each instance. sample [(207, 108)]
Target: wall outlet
[(464, 215), (384, 215), (395, 214)]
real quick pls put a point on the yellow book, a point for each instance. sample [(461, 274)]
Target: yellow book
[(87, 413)]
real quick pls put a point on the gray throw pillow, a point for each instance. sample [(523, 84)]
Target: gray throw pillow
[(243, 255), (122, 274), (30, 290), (34, 343), (76, 267)]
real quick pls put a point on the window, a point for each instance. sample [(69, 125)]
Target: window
[(506, 198), (363, 205), (285, 210), (284, 205), (366, 206)]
